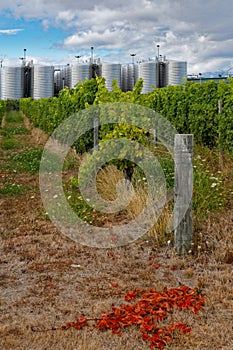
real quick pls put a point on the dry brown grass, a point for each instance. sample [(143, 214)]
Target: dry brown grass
[(40, 287), (107, 181)]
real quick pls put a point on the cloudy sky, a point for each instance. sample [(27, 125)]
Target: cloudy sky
[(55, 31)]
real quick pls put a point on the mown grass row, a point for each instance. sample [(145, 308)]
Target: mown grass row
[(17, 155)]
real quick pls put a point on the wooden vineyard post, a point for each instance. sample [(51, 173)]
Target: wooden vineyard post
[(219, 136), (96, 134), (183, 186), (155, 138)]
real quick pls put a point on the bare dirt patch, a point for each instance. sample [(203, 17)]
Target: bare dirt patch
[(47, 280)]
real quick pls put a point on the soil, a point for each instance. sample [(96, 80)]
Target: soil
[(47, 280)]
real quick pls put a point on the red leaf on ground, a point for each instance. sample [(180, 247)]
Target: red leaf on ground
[(148, 308)]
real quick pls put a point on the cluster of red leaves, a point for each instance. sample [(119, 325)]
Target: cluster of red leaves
[(146, 310)]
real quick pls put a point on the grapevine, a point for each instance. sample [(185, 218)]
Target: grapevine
[(190, 107)]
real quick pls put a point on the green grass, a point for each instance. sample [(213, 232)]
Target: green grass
[(13, 190), (10, 143), (13, 117), (167, 165), (12, 130), (28, 160), (209, 192)]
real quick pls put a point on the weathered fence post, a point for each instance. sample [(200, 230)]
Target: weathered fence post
[(183, 154), (219, 136), (96, 134), (219, 106), (155, 138), (155, 131)]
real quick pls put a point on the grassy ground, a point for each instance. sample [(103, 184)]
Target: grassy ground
[(48, 280)]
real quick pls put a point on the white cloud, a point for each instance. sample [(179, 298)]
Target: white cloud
[(10, 31)]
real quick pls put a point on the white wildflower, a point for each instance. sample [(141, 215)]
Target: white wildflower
[(213, 178)]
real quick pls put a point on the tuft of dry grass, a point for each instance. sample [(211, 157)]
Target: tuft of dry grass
[(107, 181)]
